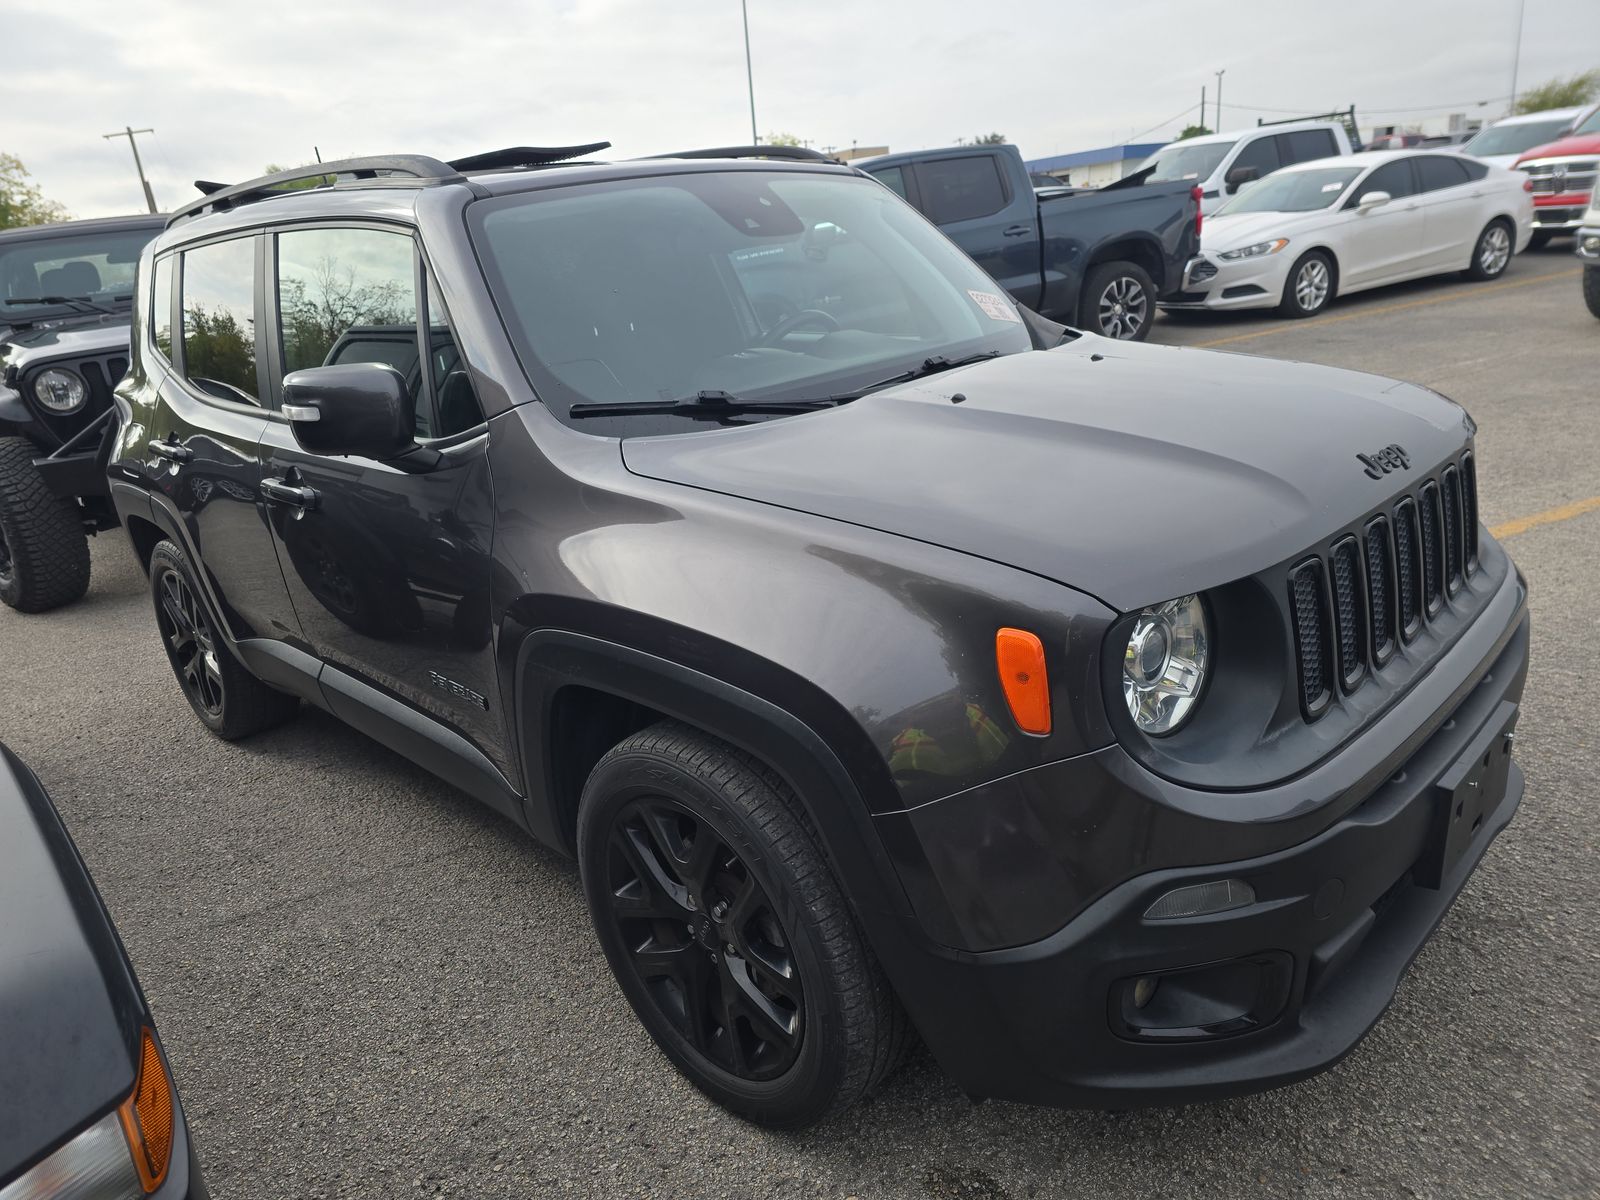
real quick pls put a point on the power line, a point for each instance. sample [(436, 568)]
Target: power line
[(1163, 124), (1373, 108)]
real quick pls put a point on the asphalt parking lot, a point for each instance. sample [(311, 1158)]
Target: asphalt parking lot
[(370, 986)]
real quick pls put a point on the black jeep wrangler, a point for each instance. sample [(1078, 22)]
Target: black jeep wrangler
[(65, 294), (1120, 719)]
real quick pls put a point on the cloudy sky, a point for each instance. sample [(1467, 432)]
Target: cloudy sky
[(231, 85)]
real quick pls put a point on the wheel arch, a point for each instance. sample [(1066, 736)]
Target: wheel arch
[(1334, 266), (1143, 250)]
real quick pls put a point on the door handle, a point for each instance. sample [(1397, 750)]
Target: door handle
[(280, 491), (1016, 230), (170, 450)]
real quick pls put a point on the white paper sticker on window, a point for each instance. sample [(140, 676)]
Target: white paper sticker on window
[(996, 308)]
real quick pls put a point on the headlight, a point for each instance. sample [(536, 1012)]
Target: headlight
[(1164, 664), (1255, 251), (61, 390), (94, 1164)]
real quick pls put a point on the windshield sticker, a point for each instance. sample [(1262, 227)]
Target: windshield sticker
[(994, 307), (1333, 187)]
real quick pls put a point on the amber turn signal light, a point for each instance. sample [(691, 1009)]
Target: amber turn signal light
[(1020, 657), (147, 1116)]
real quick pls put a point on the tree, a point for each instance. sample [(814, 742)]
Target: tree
[(1561, 93), (298, 184), (782, 139), (1190, 131), (21, 201), (989, 139)]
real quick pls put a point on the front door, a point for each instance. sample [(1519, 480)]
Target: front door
[(206, 431), (967, 197), (388, 563), (1387, 242)]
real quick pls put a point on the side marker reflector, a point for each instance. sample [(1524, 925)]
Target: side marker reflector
[(1020, 658)]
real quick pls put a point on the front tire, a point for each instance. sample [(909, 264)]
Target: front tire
[(229, 701), (1119, 301), (1540, 239), (1310, 286), (727, 933), (44, 552), (1492, 252), (1591, 289)]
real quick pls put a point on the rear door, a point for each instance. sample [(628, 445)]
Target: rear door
[(207, 429), (970, 197), (388, 563), (1387, 242), (1452, 205)]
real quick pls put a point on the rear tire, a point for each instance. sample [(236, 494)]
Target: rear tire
[(229, 701), (1119, 301), (1491, 253), (1310, 287), (1591, 289), (44, 551), (727, 932)]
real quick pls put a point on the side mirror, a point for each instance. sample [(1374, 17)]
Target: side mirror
[(1240, 175), (351, 408), (1372, 200)]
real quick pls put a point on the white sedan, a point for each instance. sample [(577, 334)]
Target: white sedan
[(1309, 232)]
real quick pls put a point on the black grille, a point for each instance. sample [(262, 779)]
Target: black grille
[(1407, 561), (1349, 623), (1450, 491), (1352, 604), (1469, 509), (116, 368), (1305, 601), (1380, 591), (1428, 507)]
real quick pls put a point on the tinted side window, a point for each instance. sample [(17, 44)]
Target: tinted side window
[(347, 295), (1305, 145), (161, 305), (892, 178), (1394, 178), (960, 189), (1262, 154), (1475, 170), (219, 319), (1440, 171), (457, 402)]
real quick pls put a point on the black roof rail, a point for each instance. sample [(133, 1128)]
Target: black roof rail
[(525, 156), (408, 167), (795, 153)]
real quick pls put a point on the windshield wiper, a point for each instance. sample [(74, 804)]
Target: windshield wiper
[(930, 366), (704, 405), (87, 303)]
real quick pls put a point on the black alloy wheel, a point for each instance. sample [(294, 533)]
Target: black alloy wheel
[(191, 645), (704, 939)]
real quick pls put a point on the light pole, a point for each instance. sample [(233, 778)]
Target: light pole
[(130, 133), (749, 73), (1220, 74), (1516, 57)]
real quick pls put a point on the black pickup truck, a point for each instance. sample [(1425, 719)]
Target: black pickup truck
[(1097, 259)]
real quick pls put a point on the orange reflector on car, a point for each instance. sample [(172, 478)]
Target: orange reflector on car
[(147, 1116), (1020, 657)]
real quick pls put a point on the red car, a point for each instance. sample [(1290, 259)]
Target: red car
[(1563, 174)]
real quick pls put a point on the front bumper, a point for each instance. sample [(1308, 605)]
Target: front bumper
[(1559, 214), (1213, 283), (1589, 241), (1288, 984)]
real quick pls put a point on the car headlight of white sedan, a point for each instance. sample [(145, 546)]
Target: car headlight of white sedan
[(1258, 250)]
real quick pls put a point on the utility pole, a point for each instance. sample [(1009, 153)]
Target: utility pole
[(1220, 74), (749, 72), (131, 133), (1203, 107), (1516, 58)]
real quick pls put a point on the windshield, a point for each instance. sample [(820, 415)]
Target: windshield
[(1184, 161), (1592, 125), (98, 267), (763, 285), (1295, 191), (1514, 139)]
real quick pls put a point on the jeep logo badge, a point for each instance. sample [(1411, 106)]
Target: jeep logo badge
[(1390, 458)]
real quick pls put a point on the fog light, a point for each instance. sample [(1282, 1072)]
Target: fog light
[(1144, 990), (1199, 899), (1591, 243)]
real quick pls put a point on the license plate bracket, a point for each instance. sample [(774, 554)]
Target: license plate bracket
[(1466, 795)]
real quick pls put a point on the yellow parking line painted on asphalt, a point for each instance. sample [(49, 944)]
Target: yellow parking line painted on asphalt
[(1548, 517), (1463, 294)]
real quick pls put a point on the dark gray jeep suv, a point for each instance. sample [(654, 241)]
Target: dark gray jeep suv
[(1120, 719)]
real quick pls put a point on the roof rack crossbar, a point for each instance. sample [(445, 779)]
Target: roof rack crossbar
[(218, 197), (525, 156), (794, 153)]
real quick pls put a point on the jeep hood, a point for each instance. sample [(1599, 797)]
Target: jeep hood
[(23, 348), (1133, 473)]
